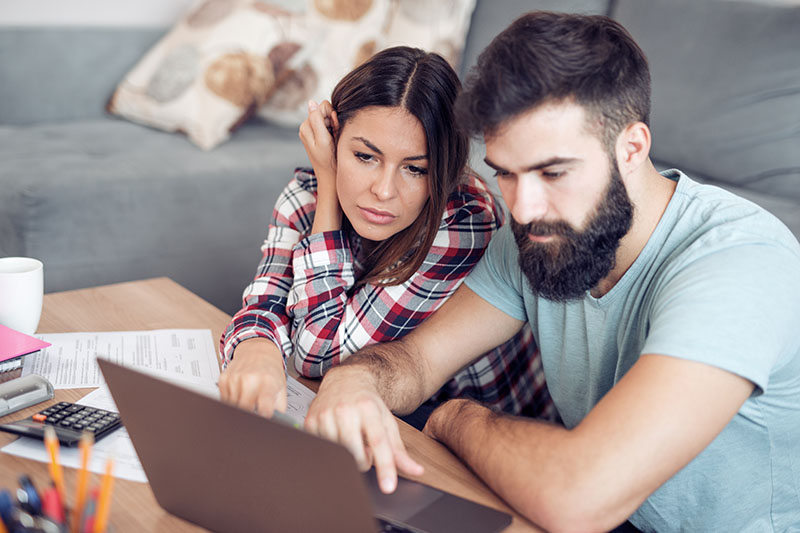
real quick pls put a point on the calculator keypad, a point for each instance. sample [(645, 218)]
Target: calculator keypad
[(69, 420), (79, 418)]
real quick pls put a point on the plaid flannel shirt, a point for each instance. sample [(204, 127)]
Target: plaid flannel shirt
[(303, 297)]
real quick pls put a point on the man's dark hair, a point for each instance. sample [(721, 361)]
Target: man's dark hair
[(546, 57)]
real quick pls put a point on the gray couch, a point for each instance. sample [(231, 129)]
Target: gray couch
[(102, 200)]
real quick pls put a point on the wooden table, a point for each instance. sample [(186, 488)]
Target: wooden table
[(161, 303)]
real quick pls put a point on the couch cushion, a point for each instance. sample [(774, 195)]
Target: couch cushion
[(726, 88), (338, 36), (213, 69), (105, 201)]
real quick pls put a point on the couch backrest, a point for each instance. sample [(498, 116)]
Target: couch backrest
[(726, 88), (53, 74)]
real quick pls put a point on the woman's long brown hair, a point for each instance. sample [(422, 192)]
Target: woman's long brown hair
[(426, 86)]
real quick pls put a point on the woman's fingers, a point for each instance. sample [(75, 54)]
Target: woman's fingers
[(255, 380), (316, 119)]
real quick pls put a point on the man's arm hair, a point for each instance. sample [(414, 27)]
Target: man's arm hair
[(595, 475), (398, 373), (410, 370)]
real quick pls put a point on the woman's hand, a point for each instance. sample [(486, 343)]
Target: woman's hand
[(255, 380), (317, 133)]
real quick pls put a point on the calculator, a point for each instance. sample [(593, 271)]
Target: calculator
[(69, 420)]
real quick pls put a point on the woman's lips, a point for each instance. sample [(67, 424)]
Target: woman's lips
[(376, 216)]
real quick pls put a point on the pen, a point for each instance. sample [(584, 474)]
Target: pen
[(104, 503), (53, 505), (6, 510), (87, 520), (51, 443), (28, 497), (34, 500), (6, 507), (87, 440)]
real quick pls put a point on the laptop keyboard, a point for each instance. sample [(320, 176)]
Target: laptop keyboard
[(388, 527)]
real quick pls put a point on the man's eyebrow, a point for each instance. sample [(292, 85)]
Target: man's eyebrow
[(537, 166), (378, 150)]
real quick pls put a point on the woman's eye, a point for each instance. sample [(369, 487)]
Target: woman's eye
[(363, 157), (501, 174), (417, 171)]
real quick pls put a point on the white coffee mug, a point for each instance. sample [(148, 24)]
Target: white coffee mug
[(21, 292)]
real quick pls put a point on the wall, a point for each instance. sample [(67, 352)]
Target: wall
[(152, 13)]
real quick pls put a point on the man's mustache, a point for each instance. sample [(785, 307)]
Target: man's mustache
[(543, 229)]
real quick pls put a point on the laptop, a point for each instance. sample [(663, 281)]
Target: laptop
[(227, 469)]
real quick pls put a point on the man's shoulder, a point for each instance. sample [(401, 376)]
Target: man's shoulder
[(704, 218)]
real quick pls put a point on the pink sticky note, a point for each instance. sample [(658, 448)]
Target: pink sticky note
[(13, 343)]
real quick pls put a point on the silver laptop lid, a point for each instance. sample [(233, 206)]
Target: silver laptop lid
[(229, 470)]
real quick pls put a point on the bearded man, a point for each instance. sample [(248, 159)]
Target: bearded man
[(666, 313)]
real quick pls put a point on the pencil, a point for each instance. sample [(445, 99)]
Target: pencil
[(87, 440), (51, 443), (104, 502)]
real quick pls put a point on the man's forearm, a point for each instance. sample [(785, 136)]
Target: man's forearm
[(397, 372), (517, 457)]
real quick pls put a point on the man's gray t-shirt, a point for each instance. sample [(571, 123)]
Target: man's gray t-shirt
[(718, 282)]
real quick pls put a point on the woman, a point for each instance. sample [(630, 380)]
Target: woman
[(372, 241)]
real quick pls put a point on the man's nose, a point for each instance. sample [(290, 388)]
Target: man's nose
[(528, 201), (384, 186)]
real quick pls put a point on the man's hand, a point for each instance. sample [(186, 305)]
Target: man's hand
[(255, 380), (349, 410)]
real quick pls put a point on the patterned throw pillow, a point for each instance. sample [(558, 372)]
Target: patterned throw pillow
[(345, 33), (214, 68)]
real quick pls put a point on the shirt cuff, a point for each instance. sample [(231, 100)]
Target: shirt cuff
[(229, 348)]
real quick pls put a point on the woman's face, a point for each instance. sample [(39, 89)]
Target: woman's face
[(382, 171)]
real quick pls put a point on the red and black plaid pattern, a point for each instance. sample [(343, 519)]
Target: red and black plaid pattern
[(303, 297)]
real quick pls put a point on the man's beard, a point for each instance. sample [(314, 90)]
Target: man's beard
[(574, 262)]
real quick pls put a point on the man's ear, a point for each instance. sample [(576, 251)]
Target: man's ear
[(633, 147)]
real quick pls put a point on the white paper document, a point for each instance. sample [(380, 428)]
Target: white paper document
[(118, 444), (182, 355)]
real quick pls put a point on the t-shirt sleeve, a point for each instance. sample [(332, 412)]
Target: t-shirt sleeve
[(735, 307), (497, 277)]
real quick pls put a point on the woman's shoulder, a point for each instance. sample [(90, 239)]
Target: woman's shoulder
[(305, 179), (472, 198), (301, 189), (296, 203)]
